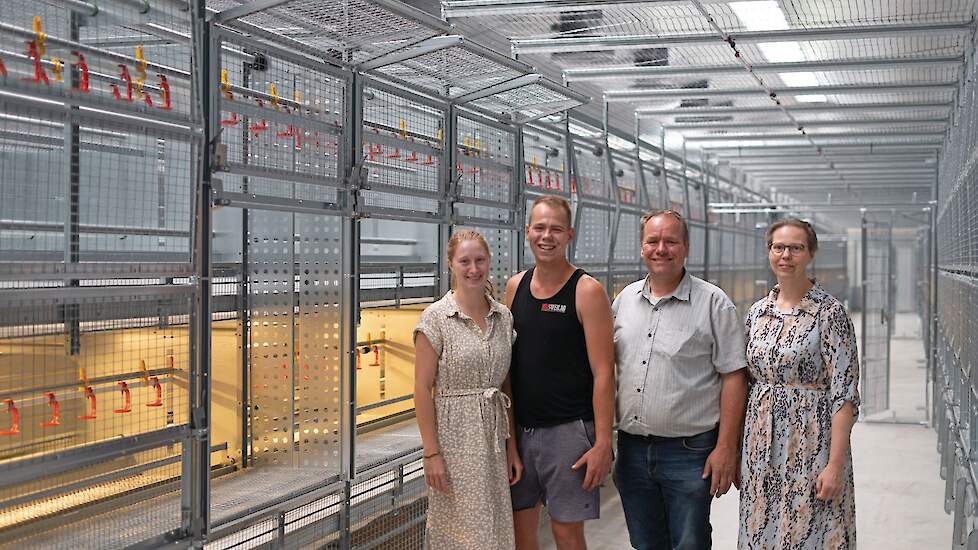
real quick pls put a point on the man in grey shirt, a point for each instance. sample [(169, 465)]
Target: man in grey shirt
[(682, 390)]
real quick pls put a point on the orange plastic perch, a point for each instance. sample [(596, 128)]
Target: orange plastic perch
[(14, 418), (126, 398), (55, 419)]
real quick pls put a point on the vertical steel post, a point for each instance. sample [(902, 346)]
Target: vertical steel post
[(351, 163), (704, 186), (616, 214), (685, 183), (72, 240), (199, 383), (244, 298), (662, 168), (863, 320), (519, 198)]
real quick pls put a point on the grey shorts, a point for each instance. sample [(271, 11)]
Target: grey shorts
[(547, 455)]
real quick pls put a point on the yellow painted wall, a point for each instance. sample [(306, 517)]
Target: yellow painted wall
[(396, 355)]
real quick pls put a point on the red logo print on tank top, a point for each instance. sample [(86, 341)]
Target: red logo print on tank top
[(554, 308)]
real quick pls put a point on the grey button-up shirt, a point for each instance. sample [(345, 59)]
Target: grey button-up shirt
[(670, 353)]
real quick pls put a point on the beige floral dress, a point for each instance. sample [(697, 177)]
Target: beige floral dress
[(803, 367), (470, 412)]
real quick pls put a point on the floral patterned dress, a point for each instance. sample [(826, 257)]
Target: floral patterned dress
[(803, 366), (472, 423)]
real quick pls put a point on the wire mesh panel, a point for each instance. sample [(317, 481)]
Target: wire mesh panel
[(86, 382), (652, 176), (544, 161), (403, 151), (342, 30), (626, 181), (485, 171), (122, 58), (877, 243), (591, 172), (282, 123), (389, 510), (696, 260)]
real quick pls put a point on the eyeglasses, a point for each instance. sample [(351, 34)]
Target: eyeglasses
[(794, 249)]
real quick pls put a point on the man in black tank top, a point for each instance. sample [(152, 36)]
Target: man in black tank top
[(562, 380)]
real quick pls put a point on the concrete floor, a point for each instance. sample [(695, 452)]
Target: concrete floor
[(899, 494)]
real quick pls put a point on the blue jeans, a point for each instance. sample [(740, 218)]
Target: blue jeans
[(666, 501)]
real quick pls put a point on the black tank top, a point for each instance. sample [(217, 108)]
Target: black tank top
[(550, 371)]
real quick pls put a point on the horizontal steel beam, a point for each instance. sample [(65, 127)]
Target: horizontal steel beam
[(794, 158), (426, 46), (505, 86), (801, 108), (618, 96), (798, 135), (630, 71), (494, 8), (632, 42), (245, 9), (744, 151), (795, 181), (803, 123)]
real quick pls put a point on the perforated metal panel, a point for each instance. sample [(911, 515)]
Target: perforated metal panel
[(592, 231), (502, 245), (295, 281)]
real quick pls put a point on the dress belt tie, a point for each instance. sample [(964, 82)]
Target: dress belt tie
[(489, 396), (764, 406)]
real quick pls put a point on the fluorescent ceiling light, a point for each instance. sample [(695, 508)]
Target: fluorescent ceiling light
[(799, 79), (811, 98), (782, 52), (764, 15)]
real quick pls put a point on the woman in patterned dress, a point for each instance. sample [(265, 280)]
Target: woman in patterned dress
[(797, 489), (462, 351)]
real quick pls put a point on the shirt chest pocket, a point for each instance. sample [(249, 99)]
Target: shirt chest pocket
[(681, 343)]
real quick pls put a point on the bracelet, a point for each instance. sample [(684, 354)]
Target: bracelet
[(432, 455)]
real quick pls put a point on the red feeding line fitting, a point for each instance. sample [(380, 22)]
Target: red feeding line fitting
[(358, 360), (90, 398), (155, 382), (165, 87), (14, 418), (233, 121), (429, 161), (83, 79), (124, 75), (55, 419), (3, 69), (396, 154), (148, 100), (376, 362), (258, 128), (40, 75), (413, 157), (126, 398)]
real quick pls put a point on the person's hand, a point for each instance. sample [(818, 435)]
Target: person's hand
[(436, 474), (721, 468), (828, 484), (513, 464), (597, 465)]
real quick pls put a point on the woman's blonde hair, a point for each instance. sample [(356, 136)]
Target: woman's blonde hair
[(470, 235)]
